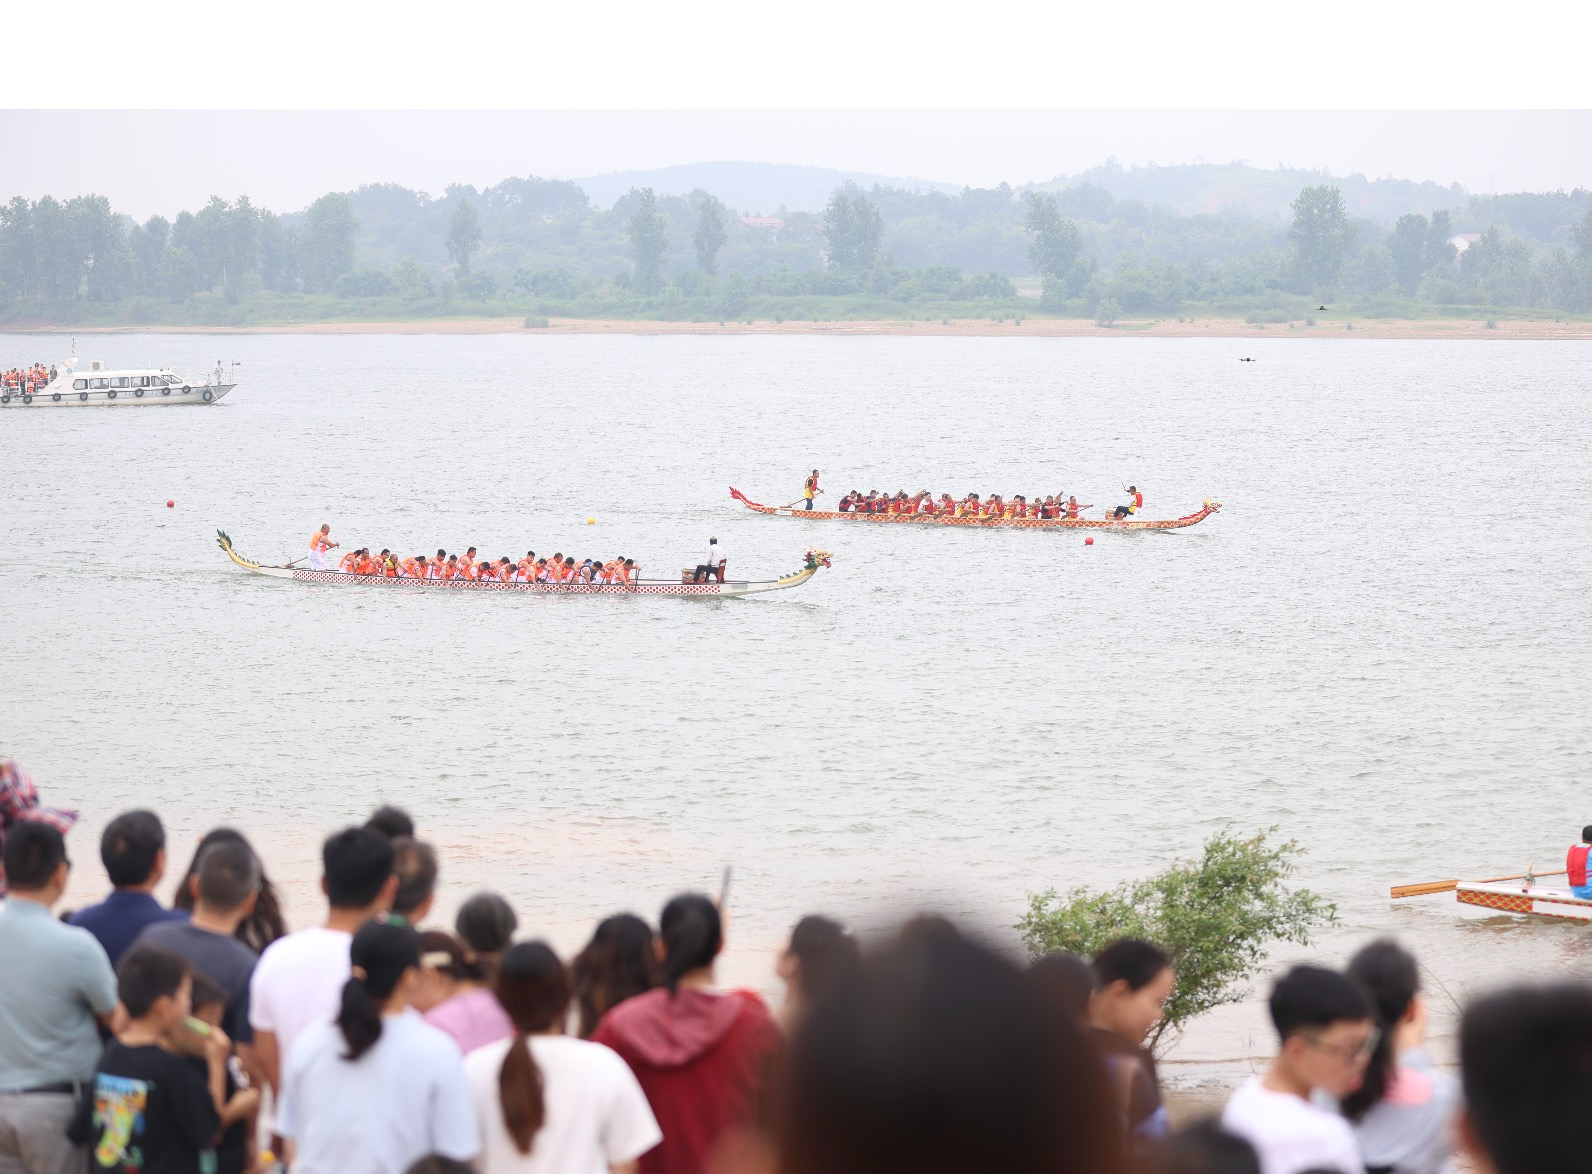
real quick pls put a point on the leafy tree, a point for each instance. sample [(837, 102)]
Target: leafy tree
[(854, 228), (1407, 244), (60, 260), (18, 252), (148, 242), (710, 234), (279, 254), (1440, 250), (1321, 236), (735, 296), (178, 275), (464, 236), (364, 283), (326, 241), (1107, 312), (410, 279), (1054, 245), (1215, 916), (648, 241)]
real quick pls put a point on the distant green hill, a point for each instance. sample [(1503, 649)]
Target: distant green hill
[(758, 188)]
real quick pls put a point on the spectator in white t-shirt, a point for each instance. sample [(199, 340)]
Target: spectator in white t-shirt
[(1324, 1024), (548, 1103), (377, 1088), (299, 979)]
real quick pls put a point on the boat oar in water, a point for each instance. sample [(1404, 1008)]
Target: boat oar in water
[(1449, 886)]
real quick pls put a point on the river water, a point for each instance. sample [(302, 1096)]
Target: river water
[(1381, 645)]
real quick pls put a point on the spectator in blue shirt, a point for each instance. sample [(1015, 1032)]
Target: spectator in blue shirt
[(133, 850)]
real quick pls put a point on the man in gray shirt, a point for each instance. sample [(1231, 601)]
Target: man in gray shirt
[(56, 986)]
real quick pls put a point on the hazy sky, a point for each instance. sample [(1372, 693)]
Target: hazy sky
[(149, 162)]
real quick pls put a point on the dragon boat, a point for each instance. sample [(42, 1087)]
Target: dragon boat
[(734, 588), (1514, 898), (991, 522)]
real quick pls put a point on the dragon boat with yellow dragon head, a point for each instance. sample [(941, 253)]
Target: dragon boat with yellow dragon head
[(982, 521), (813, 561)]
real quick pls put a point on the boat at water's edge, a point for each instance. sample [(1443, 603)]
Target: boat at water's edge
[(1514, 898), (732, 589), (1209, 508)]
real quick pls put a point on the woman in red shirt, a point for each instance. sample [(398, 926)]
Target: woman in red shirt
[(702, 1055)]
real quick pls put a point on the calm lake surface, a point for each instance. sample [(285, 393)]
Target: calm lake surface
[(1381, 645)]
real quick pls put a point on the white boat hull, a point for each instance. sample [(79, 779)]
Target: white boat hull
[(61, 395), (1537, 901)]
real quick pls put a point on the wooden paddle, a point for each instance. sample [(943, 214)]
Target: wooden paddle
[(1421, 890)]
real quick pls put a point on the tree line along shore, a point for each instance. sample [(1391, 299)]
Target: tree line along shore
[(538, 249)]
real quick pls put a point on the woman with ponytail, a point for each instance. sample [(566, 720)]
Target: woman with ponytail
[(1403, 1113), (702, 1056), (376, 1088), (548, 1103)]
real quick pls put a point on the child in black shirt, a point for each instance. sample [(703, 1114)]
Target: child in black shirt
[(243, 1102), (156, 1111)]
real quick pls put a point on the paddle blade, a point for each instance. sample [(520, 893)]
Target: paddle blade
[(1421, 890)]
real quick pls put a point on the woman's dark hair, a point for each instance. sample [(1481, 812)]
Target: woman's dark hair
[(1391, 977), (1204, 1147), (617, 964), (1131, 961), (266, 923), (384, 948), (825, 951), (937, 1030), (692, 935), (486, 923), (533, 987), (462, 964)]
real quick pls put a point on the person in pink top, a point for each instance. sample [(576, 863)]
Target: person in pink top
[(459, 973)]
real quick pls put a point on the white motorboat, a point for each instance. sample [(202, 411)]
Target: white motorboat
[(83, 383)]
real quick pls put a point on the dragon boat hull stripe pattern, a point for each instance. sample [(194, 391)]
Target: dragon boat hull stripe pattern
[(1506, 898), (1209, 508), (731, 590)]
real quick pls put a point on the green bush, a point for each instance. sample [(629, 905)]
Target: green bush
[(534, 321), (1215, 916)]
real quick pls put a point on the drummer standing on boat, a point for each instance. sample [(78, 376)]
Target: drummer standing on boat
[(810, 490), (320, 543)]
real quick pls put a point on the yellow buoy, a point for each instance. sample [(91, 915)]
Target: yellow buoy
[(591, 521)]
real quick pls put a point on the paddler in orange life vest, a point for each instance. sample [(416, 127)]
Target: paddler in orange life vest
[(320, 543), (810, 490), (1575, 866)]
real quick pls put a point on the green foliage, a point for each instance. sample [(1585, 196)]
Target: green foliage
[(1216, 917), (464, 235), (1054, 244), (1107, 312), (326, 241), (1321, 235), (647, 240), (854, 228), (734, 296), (710, 234)]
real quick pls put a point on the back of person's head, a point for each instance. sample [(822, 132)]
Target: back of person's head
[(617, 964), (1391, 977), (533, 987), (1586, 834), (1526, 1059), (265, 922), (439, 1164), (415, 862), (486, 923), (383, 950), (33, 852), (441, 951), (1204, 1147), (357, 863), (391, 822), (229, 874), (1065, 981), (207, 993), (692, 936), (935, 1056), (1130, 961), (1315, 997), (824, 951), (146, 974), (130, 846)]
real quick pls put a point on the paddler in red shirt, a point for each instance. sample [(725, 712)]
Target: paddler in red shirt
[(1576, 866)]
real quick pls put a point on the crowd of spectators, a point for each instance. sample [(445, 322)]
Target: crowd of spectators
[(207, 1038)]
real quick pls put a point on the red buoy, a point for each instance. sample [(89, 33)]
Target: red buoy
[(169, 503), (1089, 541)]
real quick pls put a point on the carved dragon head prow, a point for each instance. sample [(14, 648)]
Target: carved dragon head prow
[(817, 558)]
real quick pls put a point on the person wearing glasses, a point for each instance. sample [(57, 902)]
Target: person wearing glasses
[(1327, 1034)]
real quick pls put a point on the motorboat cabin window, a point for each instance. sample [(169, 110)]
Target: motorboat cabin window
[(120, 381), (99, 384), (79, 384)]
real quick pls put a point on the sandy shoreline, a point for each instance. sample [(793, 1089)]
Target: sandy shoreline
[(1339, 328)]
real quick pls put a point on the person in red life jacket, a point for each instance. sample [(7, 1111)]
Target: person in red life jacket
[(702, 1056), (1576, 865), (1133, 507)]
